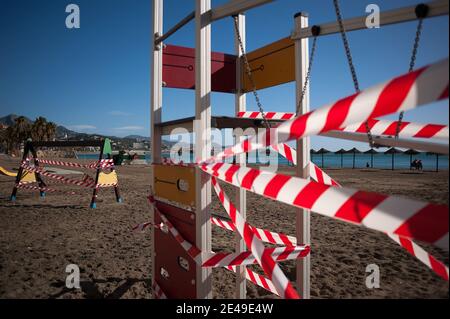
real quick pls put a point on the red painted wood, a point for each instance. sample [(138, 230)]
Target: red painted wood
[(180, 283), (179, 69)]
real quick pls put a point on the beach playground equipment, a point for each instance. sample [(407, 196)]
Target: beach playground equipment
[(180, 198), (31, 171), (5, 172)]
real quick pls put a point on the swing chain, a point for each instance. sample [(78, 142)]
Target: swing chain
[(350, 64), (310, 64), (248, 70), (421, 13)]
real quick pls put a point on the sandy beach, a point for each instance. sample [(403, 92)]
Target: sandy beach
[(39, 237)]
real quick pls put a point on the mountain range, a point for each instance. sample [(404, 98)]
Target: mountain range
[(63, 132)]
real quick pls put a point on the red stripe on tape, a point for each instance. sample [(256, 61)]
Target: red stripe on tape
[(429, 224), (359, 205)]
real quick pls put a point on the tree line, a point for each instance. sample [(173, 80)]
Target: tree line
[(13, 136)]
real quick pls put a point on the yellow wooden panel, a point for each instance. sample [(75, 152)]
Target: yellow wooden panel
[(175, 183), (107, 178), (28, 177), (271, 65)]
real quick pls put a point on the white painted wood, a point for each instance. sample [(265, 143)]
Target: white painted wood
[(156, 104), (303, 156), (235, 7), (436, 8), (241, 194), (202, 129)]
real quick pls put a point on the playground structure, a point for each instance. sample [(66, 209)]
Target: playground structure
[(181, 194), (31, 173), (5, 172)]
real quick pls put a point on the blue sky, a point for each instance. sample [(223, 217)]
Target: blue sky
[(97, 78)]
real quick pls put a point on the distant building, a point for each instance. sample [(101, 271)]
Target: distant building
[(138, 146)]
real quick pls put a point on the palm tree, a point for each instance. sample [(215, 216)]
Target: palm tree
[(50, 131), (38, 129), (21, 130)]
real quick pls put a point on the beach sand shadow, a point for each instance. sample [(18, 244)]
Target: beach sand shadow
[(91, 290)]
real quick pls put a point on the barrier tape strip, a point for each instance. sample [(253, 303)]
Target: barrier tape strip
[(42, 189), (257, 279), (268, 115), (246, 258), (104, 163), (377, 127), (191, 250), (227, 259), (438, 267), (254, 277), (255, 245), (390, 214), (320, 176), (409, 91), (263, 234), (407, 129), (88, 183), (157, 291)]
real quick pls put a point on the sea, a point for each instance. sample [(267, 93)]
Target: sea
[(331, 160)]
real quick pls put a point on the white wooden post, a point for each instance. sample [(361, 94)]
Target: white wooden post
[(241, 195), (303, 155), (156, 103), (202, 130)]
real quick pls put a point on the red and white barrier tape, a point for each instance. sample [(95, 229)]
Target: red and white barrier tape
[(157, 291), (377, 127), (246, 258), (407, 129), (257, 279), (255, 245), (191, 250), (263, 234), (104, 163), (438, 267), (254, 277), (268, 115), (409, 91), (320, 176), (404, 217), (88, 183)]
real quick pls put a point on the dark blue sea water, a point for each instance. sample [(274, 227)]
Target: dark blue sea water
[(384, 161)]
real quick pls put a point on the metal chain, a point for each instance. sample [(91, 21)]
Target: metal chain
[(249, 71), (308, 74), (411, 68), (350, 64)]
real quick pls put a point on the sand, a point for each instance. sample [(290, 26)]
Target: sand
[(40, 237)]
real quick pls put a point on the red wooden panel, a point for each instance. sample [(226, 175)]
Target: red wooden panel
[(179, 69), (181, 284)]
